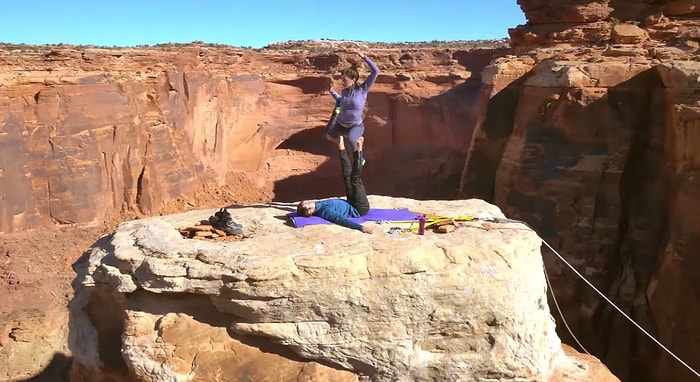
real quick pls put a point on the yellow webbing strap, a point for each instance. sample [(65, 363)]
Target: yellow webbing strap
[(430, 220)]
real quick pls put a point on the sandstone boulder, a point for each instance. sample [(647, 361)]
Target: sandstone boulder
[(504, 71), (467, 305), (552, 11), (560, 33), (628, 34), (681, 8), (597, 22)]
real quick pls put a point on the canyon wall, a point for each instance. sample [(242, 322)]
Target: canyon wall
[(589, 135), (90, 134)]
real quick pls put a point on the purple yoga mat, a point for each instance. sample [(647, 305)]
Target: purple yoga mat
[(374, 214)]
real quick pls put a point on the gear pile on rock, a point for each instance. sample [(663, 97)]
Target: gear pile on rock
[(220, 226)]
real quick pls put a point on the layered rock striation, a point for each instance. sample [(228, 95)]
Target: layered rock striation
[(92, 134), (600, 22), (594, 146)]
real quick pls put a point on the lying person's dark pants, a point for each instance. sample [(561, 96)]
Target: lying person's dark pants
[(352, 176)]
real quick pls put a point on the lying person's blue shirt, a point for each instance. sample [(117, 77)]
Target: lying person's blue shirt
[(338, 211)]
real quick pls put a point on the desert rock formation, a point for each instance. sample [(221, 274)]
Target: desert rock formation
[(588, 134), (90, 134), (602, 21), (468, 305)]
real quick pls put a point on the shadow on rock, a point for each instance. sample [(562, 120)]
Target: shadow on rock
[(278, 205), (58, 370), (414, 148), (410, 172)]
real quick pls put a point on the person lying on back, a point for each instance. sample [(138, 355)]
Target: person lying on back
[(339, 211)]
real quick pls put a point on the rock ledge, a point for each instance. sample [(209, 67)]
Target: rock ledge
[(467, 305)]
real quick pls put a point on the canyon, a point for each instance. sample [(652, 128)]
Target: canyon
[(131, 133), (583, 126), (130, 129)]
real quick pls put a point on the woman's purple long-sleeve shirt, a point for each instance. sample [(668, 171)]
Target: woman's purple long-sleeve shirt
[(353, 99)]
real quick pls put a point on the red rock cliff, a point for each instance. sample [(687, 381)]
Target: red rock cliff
[(589, 134), (598, 22), (88, 134)]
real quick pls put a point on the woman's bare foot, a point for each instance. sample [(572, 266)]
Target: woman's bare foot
[(332, 138), (360, 142), (341, 143)]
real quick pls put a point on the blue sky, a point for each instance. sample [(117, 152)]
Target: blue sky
[(253, 23)]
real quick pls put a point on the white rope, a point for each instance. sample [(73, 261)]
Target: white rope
[(560, 312), (501, 220), (619, 310)]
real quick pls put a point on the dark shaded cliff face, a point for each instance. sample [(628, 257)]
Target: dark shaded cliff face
[(599, 158), (589, 136), (88, 135), (414, 148)]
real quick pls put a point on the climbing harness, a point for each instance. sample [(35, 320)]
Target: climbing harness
[(432, 220)]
